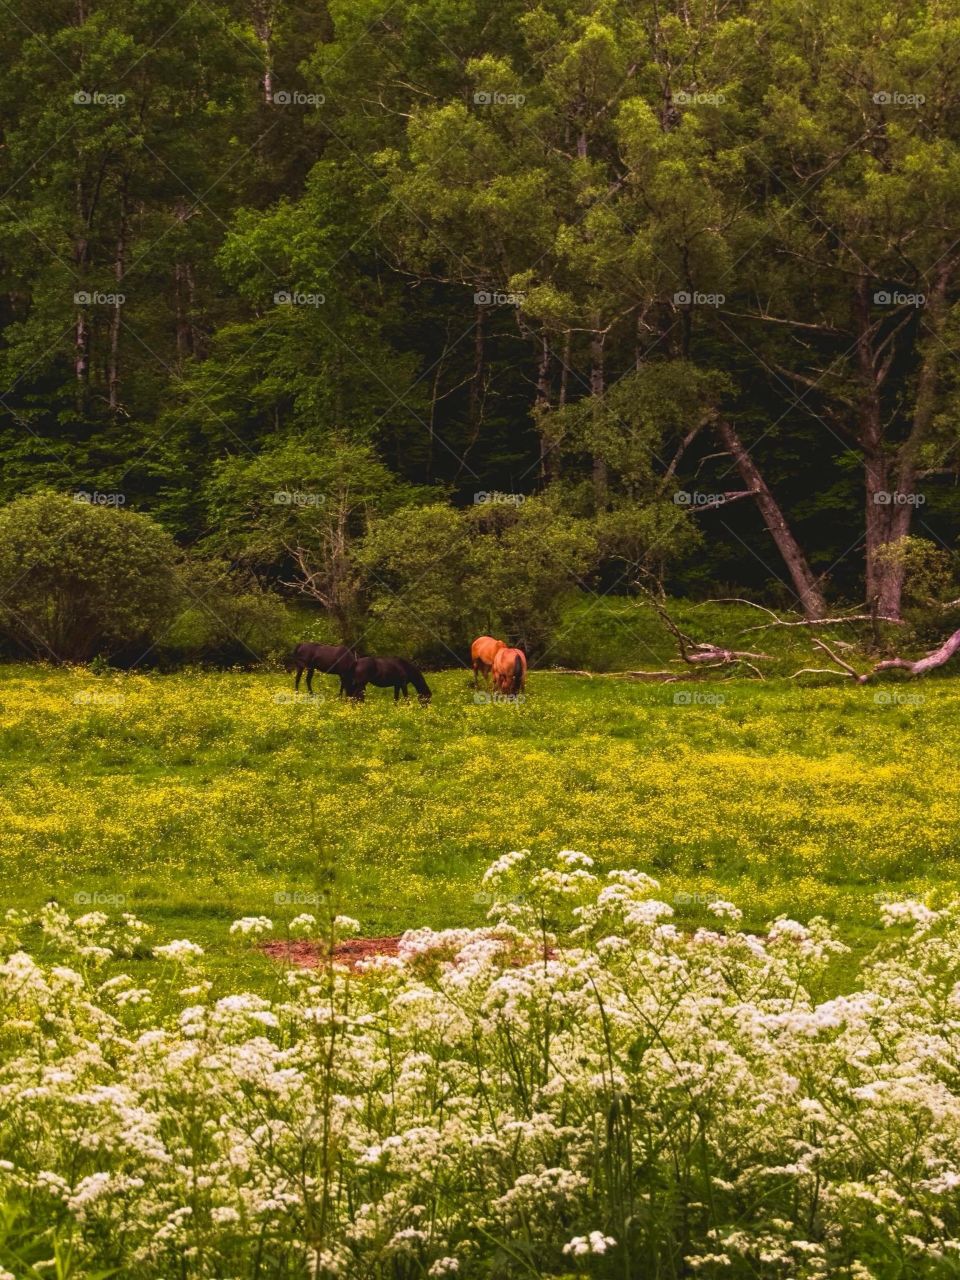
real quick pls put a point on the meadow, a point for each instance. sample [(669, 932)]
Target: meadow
[(637, 1048), (198, 797)]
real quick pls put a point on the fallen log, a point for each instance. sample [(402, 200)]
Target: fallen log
[(712, 656), (935, 658), (914, 667), (801, 622)]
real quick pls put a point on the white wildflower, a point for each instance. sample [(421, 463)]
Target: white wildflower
[(595, 1242), (725, 910), (180, 950), (254, 925)]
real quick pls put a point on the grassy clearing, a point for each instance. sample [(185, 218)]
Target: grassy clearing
[(199, 797)]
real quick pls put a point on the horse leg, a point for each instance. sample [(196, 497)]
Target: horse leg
[(296, 683), (310, 681), (396, 693), (476, 673)]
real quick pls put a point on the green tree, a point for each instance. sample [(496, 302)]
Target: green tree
[(78, 579), (296, 514)]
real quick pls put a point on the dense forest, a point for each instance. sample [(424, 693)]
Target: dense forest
[(377, 300)]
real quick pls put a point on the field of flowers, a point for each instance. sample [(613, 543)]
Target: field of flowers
[(579, 1089), (195, 798)]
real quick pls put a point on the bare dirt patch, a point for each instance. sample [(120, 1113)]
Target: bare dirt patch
[(350, 951)]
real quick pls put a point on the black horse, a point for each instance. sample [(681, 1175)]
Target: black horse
[(384, 672), (329, 659)]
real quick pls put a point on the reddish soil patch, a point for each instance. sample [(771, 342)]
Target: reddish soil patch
[(350, 951)]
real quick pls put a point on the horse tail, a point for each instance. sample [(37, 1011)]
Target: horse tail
[(517, 673)]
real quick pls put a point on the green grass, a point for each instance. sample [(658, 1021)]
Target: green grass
[(199, 797)]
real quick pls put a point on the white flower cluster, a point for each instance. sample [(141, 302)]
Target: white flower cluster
[(253, 926), (609, 1095)]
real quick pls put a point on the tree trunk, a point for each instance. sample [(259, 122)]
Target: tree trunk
[(543, 404), (263, 30), (119, 265), (564, 369), (805, 584), (81, 330), (183, 281), (891, 482), (601, 481)]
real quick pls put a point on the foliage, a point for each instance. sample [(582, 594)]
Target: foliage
[(530, 555), (79, 579), (580, 1084), (302, 510), (201, 794), (228, 618), (498, 248)]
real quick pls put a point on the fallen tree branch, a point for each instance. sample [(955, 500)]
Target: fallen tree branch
[(709, 656), (818, 671), (841, 662), (935, 658), (914, 667), (799, 622), (664, 677)]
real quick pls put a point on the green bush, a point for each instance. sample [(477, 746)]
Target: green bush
[(229, 619), (78, 579)]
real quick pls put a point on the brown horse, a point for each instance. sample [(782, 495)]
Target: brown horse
[(397, 673), (482, 653), (329, 659), (509, 671)]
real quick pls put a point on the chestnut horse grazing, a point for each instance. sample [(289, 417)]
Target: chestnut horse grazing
[(329, 659), (509, 671), (384, 672), (482, 653)]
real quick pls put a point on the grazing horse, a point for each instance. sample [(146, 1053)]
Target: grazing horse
[(509, 671), (329, 659), (384, 672), (482, 653)]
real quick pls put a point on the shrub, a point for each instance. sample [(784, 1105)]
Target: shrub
[(78, 579), (417, 564), (581, 1087), (229, 619)]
